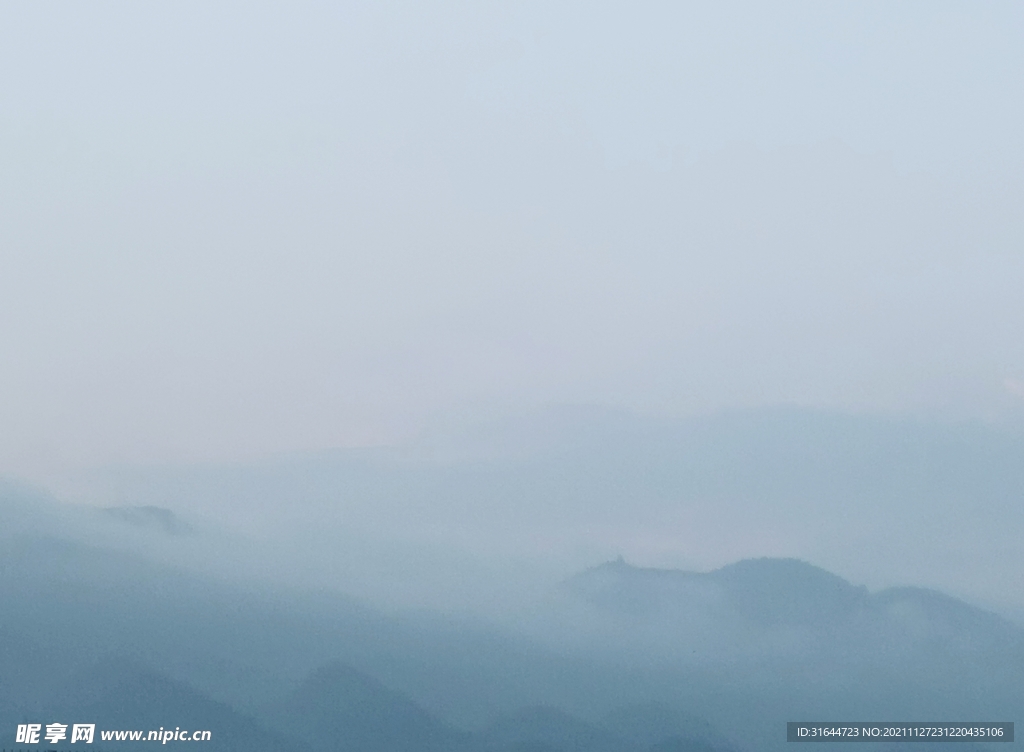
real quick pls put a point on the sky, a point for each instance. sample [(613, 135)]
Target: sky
[(230, 230)]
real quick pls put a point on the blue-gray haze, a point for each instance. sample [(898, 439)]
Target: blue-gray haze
[(346, 347)]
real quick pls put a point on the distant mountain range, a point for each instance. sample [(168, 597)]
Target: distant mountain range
[(882, 499), (782, 606), (618, 658)]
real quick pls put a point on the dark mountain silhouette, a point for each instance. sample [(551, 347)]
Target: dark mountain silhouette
[(118, 694), (784, 637), (643, 658), (656, 723), (340, 708), (550, 729), (757, 608), (774, 594)]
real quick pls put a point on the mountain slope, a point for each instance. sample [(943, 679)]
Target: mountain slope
[(339, 708), (121, 695)]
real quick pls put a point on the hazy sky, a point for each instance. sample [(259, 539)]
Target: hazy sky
[(230, 229)]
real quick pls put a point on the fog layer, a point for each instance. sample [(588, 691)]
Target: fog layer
[(230, 230)]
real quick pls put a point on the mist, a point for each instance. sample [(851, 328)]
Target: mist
[(232, 231), (564, 374)]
